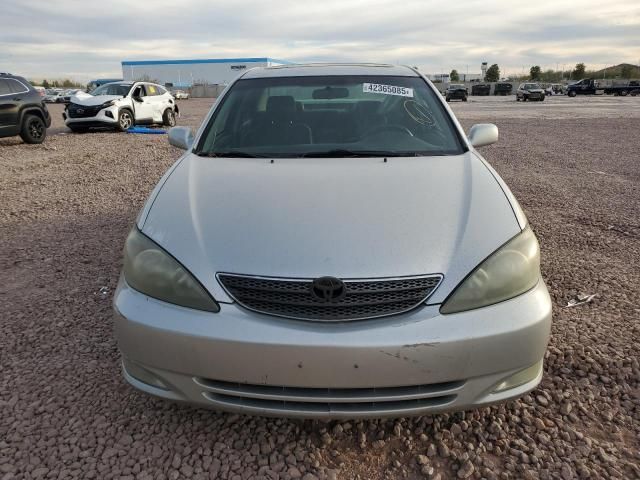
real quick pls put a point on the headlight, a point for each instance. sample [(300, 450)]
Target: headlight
[(152, 271), (510, 271), (108, 104)]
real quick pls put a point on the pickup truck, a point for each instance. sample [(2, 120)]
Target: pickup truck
[(589, 86)]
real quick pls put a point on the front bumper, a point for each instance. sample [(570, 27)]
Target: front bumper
[(416, 363), (107, 117)]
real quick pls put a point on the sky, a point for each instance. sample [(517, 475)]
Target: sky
[(88, 39)]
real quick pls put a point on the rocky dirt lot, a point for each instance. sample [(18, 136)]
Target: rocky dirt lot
[(65, 411)]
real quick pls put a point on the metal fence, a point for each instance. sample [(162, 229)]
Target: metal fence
[(206, 91)]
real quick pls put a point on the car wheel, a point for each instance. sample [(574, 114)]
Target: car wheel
[(125, 120), (33, 129), (624, 93), (517, 98), (542, 99), (524, 99), (447, 99), (464, 99), (169, 118), (572, 93)]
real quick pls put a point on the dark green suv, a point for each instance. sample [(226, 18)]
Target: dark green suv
[(22, 110)]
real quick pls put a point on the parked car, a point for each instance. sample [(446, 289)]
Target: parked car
[(22, 110), (554, 89), (530, 91), (502, 88), (481, 89), (456, 91), (331, 244), (56, 96), (66, 96), (180, 95), (121, 105), (50, 95)]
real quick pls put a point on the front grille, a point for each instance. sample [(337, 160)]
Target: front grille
[(327, 401), (81, 111), (293, 298)]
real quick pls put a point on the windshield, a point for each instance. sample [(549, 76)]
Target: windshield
[(531, 86), (338, 116), (456, 85), (121, 89)]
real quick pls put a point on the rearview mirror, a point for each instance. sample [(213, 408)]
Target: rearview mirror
[(329, 93), (181, 137), (483, 134)]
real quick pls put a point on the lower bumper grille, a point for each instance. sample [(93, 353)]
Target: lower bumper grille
[(362, 299), (327, 400)]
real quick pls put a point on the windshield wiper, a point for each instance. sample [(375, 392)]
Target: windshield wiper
[(338, 153), (231, 153)]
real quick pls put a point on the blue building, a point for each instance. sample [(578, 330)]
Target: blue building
[(185, 73)]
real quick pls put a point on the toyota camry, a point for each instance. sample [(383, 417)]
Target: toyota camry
[(331, 244)]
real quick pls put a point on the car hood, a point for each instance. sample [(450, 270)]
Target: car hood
[(535, 90), (89, 100), (348, 218)]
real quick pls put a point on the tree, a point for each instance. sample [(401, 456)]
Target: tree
[(578, 72), (453, 76), (627, 71), (535, 72), (493, 73), (45, 84)]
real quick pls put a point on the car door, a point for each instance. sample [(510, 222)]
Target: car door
[(12, 93), (157, 99), (142, 105)]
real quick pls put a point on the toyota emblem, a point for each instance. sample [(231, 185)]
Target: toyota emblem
[(328, 289)]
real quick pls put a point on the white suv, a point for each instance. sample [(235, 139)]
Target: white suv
[(121, 105)]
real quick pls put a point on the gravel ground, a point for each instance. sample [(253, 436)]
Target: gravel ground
[(65, 411)]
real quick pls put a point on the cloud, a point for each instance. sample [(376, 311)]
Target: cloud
[(89, 39)]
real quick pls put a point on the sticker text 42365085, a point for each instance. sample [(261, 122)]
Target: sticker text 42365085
[(387, 89)]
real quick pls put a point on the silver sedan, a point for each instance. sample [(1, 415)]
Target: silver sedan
[(332, 245)]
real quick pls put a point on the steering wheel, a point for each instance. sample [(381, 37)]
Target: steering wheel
[(391, 127)]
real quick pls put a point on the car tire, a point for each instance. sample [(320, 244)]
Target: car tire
[(464, 99), (517, 98), (542, 99), (447, 99), (33, 129), (169, 118), (524, 99), (624, 93), (125, 120), (572, 93)]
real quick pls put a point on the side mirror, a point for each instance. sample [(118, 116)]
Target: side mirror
[(181, 137), (137, 98), (483, 134)]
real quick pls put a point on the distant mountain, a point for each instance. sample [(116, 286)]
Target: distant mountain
[(623, 70)]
